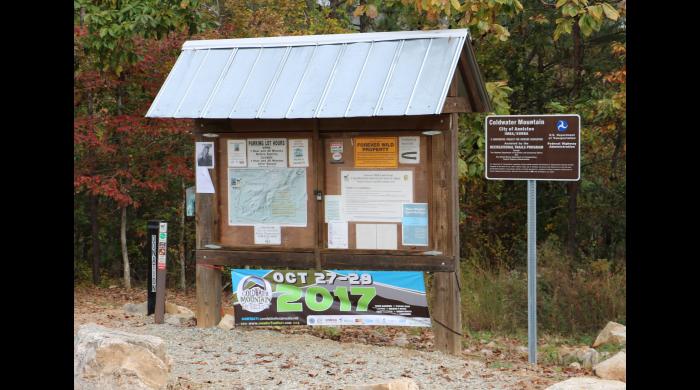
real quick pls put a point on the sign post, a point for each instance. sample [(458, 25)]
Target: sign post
[(533, 147), (152, 254), (158, 247), (532, 271)]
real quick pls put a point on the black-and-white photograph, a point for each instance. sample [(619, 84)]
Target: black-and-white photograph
[(205, 154)]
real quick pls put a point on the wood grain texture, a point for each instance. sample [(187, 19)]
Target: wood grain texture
[(234, 258), (329, 260), (208, 280), (446, 306), (388, 262), (413, 122), (456, 104)]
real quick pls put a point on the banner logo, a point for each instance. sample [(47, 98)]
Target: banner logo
[(254, 294), (562, 125)]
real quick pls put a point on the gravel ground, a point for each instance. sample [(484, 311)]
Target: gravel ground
[(262, 359), (250, 358)]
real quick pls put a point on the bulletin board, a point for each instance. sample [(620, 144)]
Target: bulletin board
[(342, 157), (403, 156), (264, 203)]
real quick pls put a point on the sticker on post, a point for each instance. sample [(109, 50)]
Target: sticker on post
[(268, 234), (336, 151), (162, 244)]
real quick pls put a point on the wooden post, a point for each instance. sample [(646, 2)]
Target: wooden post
[(447, 311), (208, 277)]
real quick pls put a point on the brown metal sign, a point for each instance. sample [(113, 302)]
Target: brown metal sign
[(533, 147)]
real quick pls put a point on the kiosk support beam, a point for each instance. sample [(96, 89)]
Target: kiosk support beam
[(208, 277), (447, 311)]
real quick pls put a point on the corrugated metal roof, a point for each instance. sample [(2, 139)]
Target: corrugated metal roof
[(314, 76)]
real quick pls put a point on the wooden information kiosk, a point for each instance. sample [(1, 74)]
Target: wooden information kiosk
[(352, 132)]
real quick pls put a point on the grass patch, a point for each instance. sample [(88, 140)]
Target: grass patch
[(574, 298)]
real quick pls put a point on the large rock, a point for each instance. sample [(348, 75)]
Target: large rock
[(588, 357), (172, 308), (613, 368), (110, 359), (612, 333), (396, 384), (227, 323), (136, 308), (588, 383), (180, 319)]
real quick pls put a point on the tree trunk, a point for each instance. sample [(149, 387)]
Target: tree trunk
[(577, 58), (95, 239), (572, 189), (365, 21), (181, 246), (125, 252), (219, 15), (616, 152)]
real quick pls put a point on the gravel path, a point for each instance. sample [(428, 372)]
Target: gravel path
[(253, 358), (263, 359)]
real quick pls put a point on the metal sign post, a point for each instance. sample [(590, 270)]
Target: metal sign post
[(152, 255), (161, 273), (533, 147), (532, 271)]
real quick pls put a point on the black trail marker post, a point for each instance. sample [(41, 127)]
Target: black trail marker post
[(152, 254), (158, 248)]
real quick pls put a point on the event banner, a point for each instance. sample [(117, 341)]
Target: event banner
[(329, 297)]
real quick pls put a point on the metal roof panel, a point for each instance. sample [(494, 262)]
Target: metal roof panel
[(286, 85), (329, 76), (225, 96), (371, 83), (203, 83), (259, 80), (438, 68), (403, 79), (311, 88), (342, 86)]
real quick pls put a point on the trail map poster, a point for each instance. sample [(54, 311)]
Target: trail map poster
[(270, 196), (329, 297)]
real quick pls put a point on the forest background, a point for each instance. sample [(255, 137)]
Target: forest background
[(537, 57)]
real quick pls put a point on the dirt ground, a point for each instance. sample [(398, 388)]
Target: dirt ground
[(314, 357)]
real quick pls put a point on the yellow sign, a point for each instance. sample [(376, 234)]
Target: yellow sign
[(376, 152)]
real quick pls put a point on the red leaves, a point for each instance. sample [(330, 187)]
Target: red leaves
[(127, 158)]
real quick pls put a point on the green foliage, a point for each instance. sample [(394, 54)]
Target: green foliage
[(113, 25)]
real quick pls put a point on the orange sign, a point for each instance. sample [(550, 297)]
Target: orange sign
[(376, 152)]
